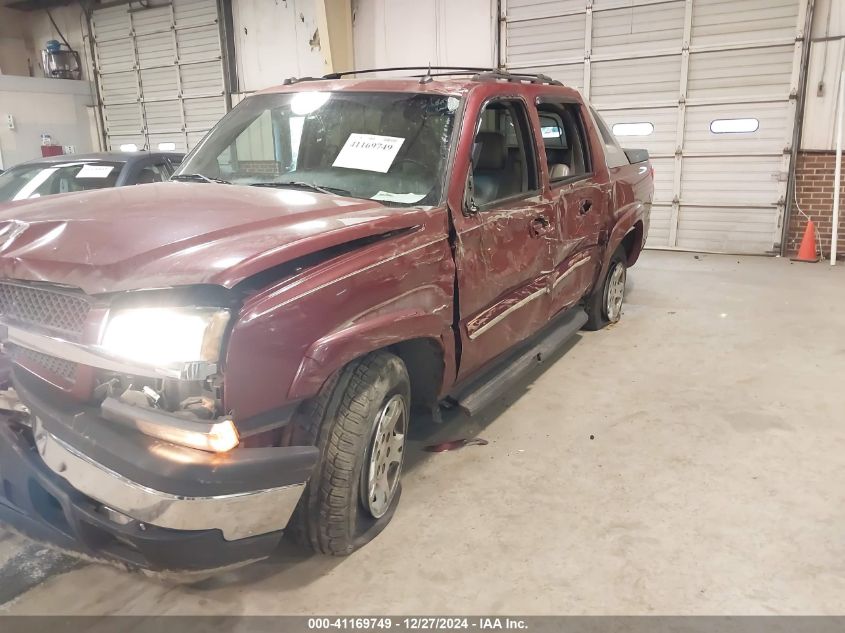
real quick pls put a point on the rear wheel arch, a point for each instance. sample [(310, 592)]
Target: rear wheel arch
[(632, 243)]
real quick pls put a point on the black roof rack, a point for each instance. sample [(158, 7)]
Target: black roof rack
[(478, 74), (503, 75)]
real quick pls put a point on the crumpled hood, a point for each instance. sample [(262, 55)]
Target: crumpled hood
[(173, 234)]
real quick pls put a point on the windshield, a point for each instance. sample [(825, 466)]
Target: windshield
[(390, 147), (44, 179)]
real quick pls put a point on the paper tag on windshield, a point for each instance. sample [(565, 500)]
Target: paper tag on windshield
[(94, 171), (368, 151), (404, 198)]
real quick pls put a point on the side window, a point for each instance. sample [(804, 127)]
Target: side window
[(157, 172), (503, 156), (614, 154), (567, 152)]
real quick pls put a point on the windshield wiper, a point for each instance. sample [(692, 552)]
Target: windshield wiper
[(199, 178), (297, 184)]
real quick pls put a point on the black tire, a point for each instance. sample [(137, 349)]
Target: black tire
[(331, 517), (596, 304)]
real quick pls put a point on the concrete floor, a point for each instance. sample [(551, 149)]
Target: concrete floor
[(689, 460)]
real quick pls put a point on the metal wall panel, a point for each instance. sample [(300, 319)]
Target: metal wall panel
[(658, 231), (663, 172), (679, 65), (762, 73), (635, 82), (744, 22), (571, 75), (749, 179), (630, 31), (661, 142), (160, 72), (545, 40), (524, 9), (769, 137)]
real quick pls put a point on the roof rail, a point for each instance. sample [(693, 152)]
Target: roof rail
[(461, 70), (479, 74), (503, 75)]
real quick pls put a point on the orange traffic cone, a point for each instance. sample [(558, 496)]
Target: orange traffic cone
[(807, 251)]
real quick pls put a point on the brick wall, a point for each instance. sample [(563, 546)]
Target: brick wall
[(814, 191)]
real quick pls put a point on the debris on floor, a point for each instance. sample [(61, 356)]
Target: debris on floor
[(455, 444)]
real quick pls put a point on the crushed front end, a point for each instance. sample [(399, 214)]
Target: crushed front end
[(114, 438)]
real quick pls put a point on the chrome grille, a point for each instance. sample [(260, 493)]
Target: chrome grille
[(60, 367), (60, 312)]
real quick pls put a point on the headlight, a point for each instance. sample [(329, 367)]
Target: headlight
[(164, 336)]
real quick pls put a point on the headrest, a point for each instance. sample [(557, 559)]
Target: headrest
[(490, 148), (558, 170)]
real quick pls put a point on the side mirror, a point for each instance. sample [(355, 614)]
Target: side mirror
[(470, 208)]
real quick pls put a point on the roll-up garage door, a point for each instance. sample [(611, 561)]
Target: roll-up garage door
[(707, 86), (160, 72)]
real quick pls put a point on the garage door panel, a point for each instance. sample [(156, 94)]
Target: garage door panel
[(159, 83), (635, 80), (164, 116), (546, 40), (156, 49), (769, 137), (198, 45), (194, 12), (664, 121), (202, 114), (738, 69), (123, 119), (195, 137), (735, 230), (724, 180), (763, 72), (523, 9), (154, 20), (116, 56), (571, 75), (658, 230), (664, 169), (178, 140), (179, 60), (202, 79), (119, 87), (114, 142), (628, 32), (111, 24), (720, 22)]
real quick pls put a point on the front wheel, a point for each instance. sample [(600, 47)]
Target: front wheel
[(604, 305), (360, 424)]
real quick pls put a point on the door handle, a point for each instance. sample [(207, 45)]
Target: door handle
[(585, 207), (540, 226)]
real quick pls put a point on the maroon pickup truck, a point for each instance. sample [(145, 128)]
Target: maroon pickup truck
[(201, 364)]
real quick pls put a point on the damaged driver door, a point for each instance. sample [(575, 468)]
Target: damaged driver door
[(504, 237)]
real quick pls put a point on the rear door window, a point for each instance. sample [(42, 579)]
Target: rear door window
[(564, 140)]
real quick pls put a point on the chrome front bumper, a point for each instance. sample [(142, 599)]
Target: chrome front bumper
[(237, 516)]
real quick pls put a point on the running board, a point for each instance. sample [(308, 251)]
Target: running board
[(491, 385)]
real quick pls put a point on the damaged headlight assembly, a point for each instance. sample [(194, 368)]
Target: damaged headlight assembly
[(165, 337)]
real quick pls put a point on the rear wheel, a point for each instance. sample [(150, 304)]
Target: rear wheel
[(360, 423), (604, 305)]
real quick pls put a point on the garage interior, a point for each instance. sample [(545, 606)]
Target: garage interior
[(687, 460)]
